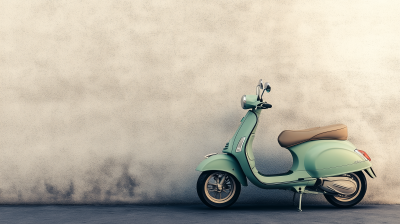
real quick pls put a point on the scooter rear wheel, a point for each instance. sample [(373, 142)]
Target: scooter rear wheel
[(218, 189), (353, 199)]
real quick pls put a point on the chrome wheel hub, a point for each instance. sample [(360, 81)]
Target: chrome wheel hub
[(219, 187)]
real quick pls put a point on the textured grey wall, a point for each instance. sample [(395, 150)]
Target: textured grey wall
[(118, 101)]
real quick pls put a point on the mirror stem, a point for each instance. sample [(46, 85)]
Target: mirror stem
[(262, 94)]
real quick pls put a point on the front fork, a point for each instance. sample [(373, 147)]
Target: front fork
[(220, 183)]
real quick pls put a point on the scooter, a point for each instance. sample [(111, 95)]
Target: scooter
[(324, 162)]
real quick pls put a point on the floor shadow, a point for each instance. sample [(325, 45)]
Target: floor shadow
[(254, 207)]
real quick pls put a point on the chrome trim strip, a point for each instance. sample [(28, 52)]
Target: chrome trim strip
[(240, 144), (209, 155), (359, 153)]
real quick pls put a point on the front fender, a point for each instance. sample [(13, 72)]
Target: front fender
[(223, 162)]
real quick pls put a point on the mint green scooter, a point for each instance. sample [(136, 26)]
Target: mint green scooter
[(324, 162)]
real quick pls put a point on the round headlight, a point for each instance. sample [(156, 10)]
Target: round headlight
[(243, 101)]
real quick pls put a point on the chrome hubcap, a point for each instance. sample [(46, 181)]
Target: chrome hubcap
[(219, 187)]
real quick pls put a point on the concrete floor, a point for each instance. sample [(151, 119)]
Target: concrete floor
[(196, 213)]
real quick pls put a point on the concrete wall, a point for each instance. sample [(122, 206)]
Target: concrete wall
[(118, 101)]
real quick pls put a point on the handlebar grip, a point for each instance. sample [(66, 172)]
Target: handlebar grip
[(266, 105)]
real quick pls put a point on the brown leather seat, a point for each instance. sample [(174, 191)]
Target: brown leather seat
[(289, 138)]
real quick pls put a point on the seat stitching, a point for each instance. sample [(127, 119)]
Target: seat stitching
[(312, 137), (326, 132)]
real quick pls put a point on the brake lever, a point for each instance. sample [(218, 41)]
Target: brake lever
[(266, 105), (263, 105)]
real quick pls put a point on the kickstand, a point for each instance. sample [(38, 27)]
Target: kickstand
[(294, 195), (301, 194)]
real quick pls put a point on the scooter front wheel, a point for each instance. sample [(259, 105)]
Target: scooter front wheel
[(353, 199), (218, 189)]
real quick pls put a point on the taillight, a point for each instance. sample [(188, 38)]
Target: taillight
[(363, 154)]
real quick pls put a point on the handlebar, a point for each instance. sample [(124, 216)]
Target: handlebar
[(264, 105)]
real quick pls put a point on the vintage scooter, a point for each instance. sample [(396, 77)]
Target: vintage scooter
[(324, 162)]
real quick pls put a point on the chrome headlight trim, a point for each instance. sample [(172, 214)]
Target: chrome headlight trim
[(243, 101)]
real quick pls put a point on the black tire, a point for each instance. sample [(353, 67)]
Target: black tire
[(355, 198), (210, 196)]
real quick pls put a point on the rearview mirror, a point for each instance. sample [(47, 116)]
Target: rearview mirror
[(267, 87)]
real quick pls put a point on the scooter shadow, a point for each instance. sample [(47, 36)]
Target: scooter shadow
[(276, 208)]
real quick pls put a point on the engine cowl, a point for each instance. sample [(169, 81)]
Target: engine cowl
[(340, 185)]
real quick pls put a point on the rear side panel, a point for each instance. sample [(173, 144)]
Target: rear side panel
[(324, 158)]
